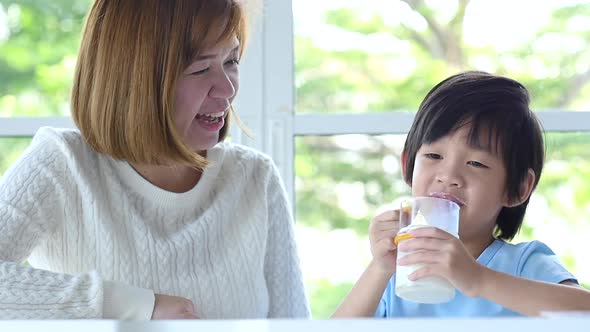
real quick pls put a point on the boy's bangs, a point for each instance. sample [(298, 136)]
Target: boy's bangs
[(490, 129), (488, 133)]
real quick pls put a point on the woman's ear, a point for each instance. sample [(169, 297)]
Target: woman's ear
[(404, 159), (525, 190)]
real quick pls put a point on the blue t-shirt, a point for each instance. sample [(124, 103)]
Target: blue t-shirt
[(531, 260)]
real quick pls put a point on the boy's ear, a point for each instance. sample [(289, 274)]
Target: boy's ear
[(525, 190), (404, 158)]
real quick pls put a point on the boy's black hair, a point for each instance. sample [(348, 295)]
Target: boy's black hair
[(494, 106)]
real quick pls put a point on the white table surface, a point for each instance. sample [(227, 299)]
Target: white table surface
[(561, 324)]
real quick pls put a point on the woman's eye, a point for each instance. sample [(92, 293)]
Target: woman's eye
[(433, 156), (200, 72), (476, 164), (233, 62)]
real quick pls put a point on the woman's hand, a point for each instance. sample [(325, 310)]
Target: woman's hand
[(173, 307), (382, 230), (442, 255)]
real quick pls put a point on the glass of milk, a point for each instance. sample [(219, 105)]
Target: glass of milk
[(420, 212)]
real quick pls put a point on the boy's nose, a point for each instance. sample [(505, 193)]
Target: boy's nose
[(450, 183), (450, 178)]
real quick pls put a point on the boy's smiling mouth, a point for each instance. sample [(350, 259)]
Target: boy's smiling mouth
[(448, 196)]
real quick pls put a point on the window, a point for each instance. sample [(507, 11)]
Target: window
[(38, 44)]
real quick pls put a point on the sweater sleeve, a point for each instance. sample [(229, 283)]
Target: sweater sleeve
[(33, 193), (282, 270), (122, 301)]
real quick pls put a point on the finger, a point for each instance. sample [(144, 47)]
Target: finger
[(388, 233), (421, 257), (190, 315), (189, 306), (385, 245), (389, 215), (185, 305), (432, 232), (387, 226), (428, 270), (422, 243), (388, 220)]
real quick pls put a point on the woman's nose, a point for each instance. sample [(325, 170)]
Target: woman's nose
[(222, 87)]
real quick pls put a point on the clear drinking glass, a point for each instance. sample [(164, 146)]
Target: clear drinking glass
[(423, 212)]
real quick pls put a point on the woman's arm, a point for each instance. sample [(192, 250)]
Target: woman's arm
[(281, 264), (32, 196)]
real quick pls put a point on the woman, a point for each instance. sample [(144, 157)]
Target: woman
[(143, 211)]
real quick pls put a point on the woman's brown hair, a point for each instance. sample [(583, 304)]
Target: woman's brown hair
[(131, 56)]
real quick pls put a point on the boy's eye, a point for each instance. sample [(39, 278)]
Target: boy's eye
[(200, 72), (433, 156), (476, 164)]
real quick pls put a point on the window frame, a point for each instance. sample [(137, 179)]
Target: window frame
[(266, 102)]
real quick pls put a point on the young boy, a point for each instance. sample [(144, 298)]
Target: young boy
[(475, 141)]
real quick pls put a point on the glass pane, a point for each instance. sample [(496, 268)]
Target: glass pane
[(10, 149), (38, 45), (374, 55), (342, 181)]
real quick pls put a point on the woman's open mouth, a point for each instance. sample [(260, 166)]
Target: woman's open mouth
[(210, 118), (211, 122)]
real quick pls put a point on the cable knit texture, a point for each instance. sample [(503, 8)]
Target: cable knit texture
[(80, 218)]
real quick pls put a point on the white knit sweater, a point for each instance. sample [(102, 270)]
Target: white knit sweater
[(102, 239)]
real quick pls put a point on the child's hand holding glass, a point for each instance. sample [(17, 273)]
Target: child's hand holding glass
[(382, 230), (442, 255)]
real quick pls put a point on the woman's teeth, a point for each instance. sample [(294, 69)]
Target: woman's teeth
[(210, 118), (215, 115)]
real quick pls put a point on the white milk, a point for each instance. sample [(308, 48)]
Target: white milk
[(426, 290)]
